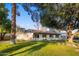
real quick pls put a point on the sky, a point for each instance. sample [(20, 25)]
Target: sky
[(24, 20)]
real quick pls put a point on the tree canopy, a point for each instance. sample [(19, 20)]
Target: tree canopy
[(58, 15), (5, 24)]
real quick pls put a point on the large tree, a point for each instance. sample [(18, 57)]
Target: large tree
[(70, 13), (6, 28), (60, 16), (4, 22)]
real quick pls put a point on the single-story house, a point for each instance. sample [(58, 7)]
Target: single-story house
[(38, 35)]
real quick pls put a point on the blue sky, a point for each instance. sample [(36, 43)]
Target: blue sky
[(24, 20)]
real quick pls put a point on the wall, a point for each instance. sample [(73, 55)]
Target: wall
[(24, 36)]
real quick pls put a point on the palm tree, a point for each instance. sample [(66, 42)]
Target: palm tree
[(13, 28), (13, 25)]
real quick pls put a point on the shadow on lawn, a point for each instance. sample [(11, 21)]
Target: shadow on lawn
[(2, 54), (37, 46), (32, 49), (18, 46)]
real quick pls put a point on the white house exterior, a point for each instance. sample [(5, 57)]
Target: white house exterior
[(63, 34), (24, 36), (37, 35), (52, 34), (21, 34)]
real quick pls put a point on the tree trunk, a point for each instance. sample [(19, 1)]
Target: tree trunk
[(13, 28), (2, 36), (70, 36)]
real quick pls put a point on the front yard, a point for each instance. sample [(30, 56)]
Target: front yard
[(37, 48)]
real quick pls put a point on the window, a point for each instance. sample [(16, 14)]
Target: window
[(44, 35), (57, 36), (36, 36)]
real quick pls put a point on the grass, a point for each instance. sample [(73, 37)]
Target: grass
[(37, 48)]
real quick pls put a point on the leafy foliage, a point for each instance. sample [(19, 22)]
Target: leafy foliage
[(70, 12), (33, 13), (49, 15), (5, 24), (59, 15)]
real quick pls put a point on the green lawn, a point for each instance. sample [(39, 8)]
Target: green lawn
[(37, 48)]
